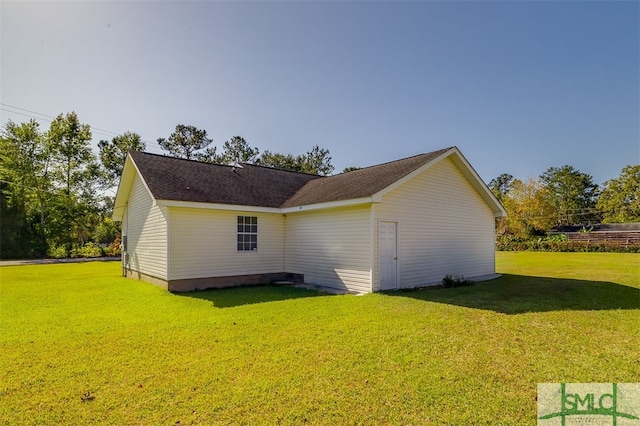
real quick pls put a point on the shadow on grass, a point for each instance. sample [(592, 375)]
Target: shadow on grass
[(249, 295), (516, 294)]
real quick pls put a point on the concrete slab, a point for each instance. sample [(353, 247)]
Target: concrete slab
[(323, 289)]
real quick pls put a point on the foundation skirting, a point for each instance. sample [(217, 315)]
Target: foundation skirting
[(191, 284)]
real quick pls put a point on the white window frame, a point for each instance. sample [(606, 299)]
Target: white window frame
[(247, 233)]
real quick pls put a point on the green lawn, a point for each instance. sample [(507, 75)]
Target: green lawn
[(81, 345)]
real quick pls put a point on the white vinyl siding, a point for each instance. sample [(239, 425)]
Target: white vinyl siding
[(444, 227), (204, 244), (145, 226), (331, 247)]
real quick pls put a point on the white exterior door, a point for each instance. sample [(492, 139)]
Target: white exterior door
[(388, 255)]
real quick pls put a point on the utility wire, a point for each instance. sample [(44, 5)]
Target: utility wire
[(50, 118), (52, 192), (93, 129), (27, 110), (584, 213)]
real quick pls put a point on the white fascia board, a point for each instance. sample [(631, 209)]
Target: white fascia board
[(122, 193), (212, 206), (124, 188), (469, 172), (256, 209), (330, 205)]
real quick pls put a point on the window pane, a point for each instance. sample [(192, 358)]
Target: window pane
[(247, 233)]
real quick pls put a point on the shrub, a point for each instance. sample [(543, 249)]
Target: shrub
[(88, 250), (57, 252), (455, 281), (113, 249)]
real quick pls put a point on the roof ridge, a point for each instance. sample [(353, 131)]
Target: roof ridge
[(171, 157), (224, 165), (281, 170), (399, 159), (293, 171)]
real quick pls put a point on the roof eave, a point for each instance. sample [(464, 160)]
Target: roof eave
[(476, 181), (215, 206), (331, 204), (124, 189), (258, 209)]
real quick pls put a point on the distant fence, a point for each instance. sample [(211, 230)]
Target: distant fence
[(594, 241), (606, 238)]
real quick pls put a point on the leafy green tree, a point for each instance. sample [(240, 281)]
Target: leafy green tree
[(500, 186), (209, 155), (73, 161), (75, 173), (23, 183), (106, 231), (113, 154), (22, 159), (619, 200), (279, 161), (529, 208), (185, 142), (237, 149), (350, 169), (572, 193), (48, 190), (317, 161)]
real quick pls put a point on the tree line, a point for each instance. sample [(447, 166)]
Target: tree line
[(192, 143), (565, 196), (53, 199)]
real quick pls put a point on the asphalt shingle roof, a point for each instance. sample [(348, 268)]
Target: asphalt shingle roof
[(177, 179), (359, 183)]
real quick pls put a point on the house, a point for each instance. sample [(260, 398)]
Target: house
[(190, 225)]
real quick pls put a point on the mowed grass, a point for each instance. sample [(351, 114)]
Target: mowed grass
[(81, 345)]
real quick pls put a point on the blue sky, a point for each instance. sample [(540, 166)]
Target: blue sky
[(517, 86)]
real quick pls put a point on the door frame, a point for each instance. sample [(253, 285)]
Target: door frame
[(397, 247)]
